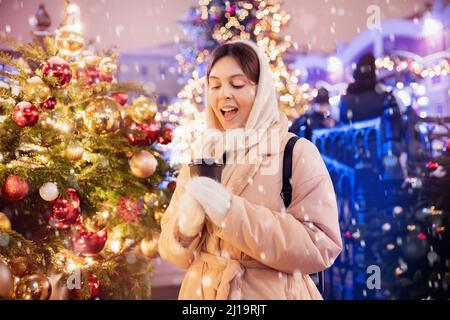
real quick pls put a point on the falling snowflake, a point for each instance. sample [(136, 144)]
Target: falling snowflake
[(236, 295), (119, 29), (206, 281)]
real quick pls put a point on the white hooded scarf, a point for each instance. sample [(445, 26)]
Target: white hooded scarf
[(264, 129)]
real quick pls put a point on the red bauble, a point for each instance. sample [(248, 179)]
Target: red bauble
[(88, 75), (142, 134), (49, 104), (88, 243), (172, 185), (120, 97), (15, 188), (421, 236), (58, 69), (106, 78), (129, 209), (165, 135), (25, 114), (94, 285), (65, 212), (432, 165)]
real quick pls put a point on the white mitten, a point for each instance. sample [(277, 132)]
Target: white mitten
[(191, 216), (213, 197)]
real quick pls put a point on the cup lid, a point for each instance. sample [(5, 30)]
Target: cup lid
[(209, 162)]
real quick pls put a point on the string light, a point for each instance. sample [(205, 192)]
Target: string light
[(429, 69)]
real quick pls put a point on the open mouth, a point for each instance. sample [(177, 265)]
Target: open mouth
[(229, 112)]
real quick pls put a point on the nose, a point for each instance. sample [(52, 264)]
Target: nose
[(225, 92)]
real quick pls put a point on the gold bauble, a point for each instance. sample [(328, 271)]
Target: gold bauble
[(90, 61), (33, 287), (36, 90), (6, 281), (4, 222), (75, 151), (107, 66), (143, 110), (80, 92), (149, 247), (56, 121), (143, 165), (69, 40), (19, 266), (103, 115)]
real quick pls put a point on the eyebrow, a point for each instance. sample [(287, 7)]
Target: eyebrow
[(232, 76)]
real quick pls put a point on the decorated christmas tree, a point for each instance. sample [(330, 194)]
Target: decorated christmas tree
[(425, 253), (82, 175), (213, 22), (408, 240)]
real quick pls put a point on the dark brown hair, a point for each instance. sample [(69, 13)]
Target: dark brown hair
[(244, 55)]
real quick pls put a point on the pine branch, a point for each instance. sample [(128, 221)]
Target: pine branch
[(5, 93), (6, 59), (18, 246), (29, 51), (129, 86), (12, 76), (49, 43)]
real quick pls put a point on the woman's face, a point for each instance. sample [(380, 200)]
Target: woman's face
[(230, 93)]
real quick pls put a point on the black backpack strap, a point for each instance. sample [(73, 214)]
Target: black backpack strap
[(286, 190), (286, 195)]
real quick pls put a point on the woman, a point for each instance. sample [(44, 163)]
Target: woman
[(236, 239)]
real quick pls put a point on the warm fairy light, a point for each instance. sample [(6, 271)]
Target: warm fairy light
[(428, 69), (71, 266), (105, 214), (115, 246), (79, 114)]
